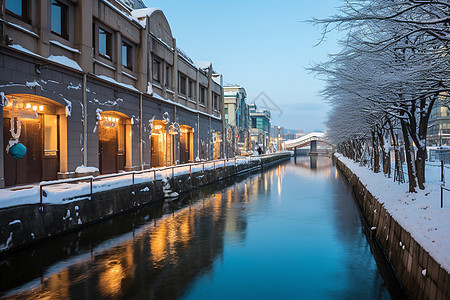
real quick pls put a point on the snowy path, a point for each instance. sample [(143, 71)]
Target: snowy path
[(419, 213)]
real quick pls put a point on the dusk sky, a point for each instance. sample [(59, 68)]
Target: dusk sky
[(263, 46)]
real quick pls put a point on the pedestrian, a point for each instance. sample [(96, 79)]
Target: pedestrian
[(259, 150)]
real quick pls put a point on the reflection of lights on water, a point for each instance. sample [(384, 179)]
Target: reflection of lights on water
[(110, 280), (245, 193), (327, 174), (336, 174)]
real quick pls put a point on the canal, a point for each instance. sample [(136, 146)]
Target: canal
[(292, 231)]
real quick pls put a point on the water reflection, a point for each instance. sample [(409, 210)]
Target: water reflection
[(291, 231)]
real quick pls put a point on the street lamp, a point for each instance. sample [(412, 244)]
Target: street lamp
[(278, 142)]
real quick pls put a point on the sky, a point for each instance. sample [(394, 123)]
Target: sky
[(263, 46)]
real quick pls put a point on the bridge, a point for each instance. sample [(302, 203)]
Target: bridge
[(310, 138)]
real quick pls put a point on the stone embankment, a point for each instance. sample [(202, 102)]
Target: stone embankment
[(418, 272), (26, 225)]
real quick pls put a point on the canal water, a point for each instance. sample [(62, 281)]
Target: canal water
[(292, 231)]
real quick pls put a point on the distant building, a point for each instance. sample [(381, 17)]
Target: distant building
[(260, 126), (237, 118), (439, 125)]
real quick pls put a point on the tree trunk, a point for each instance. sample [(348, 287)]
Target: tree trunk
[(376, 154), (409, 158)]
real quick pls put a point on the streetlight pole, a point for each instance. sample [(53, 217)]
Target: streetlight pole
[(278, 142)]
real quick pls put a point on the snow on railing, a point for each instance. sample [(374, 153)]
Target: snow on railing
[(215, 163)]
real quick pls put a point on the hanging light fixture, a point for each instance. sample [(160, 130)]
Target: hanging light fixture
[(174, 128)]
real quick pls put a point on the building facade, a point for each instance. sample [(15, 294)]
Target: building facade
[(439, 126), (237, 120), (100, 83), (260, 126)]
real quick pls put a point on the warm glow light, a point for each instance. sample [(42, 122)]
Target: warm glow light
[(28, 105), (41, 107), (109, 119), (35, 107), (158, 127)]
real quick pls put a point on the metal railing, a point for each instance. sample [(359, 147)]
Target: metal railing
[(154, 170)]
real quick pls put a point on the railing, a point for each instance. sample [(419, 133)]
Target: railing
[(134, 173)]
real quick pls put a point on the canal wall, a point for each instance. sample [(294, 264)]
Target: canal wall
[(25, 225), (418, 272)]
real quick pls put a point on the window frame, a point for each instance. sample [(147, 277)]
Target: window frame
[(64, 19), (156, 76), (24, 16), (129, 55), (191, 88), (202, 96), (168, 76), (182, 87), (109, 43)]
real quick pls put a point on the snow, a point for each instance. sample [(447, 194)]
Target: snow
[(15, 222), (20, 28), (65, 47), (142, 13), (83, 169), (74, 189), (418, 213), (109, 79), (64, 60)]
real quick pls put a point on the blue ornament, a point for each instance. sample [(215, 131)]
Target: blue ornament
[(18, 150)]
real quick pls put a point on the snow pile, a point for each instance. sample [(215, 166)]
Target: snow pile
[(168, 193), (83, 169), (418, 213)]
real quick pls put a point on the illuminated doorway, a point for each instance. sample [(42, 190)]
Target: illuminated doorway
[(186, 144), (158, 144), (36, 123), (113, 142), (217, 140)]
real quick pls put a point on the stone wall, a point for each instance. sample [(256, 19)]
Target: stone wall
[(407, 257), (26, 225)]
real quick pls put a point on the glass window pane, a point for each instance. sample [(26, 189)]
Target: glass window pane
[(50, 135), (56, 17), (125, 55), (15, 6)]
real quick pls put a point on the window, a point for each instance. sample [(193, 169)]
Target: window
[(253, 123), (17, 7), (50, 135), (215, 100), (156, 71), (127, 58), (226, 114), (104, 43), (191, 89), (202, 94), (59, 18), (168, 82), (182, 84)]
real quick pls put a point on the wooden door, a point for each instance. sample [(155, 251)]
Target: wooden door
[(27, 169), (107, 138), (184, 148), (50, 166)]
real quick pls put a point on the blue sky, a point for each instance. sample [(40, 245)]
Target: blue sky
[(263, 46)]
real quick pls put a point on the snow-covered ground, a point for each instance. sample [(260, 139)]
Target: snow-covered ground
[(64, 191), (419, 213)]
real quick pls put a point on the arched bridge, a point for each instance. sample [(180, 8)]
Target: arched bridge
[(310, 138)]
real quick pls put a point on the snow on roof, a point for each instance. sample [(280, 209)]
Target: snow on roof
[(142, 13), (203, 64)]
